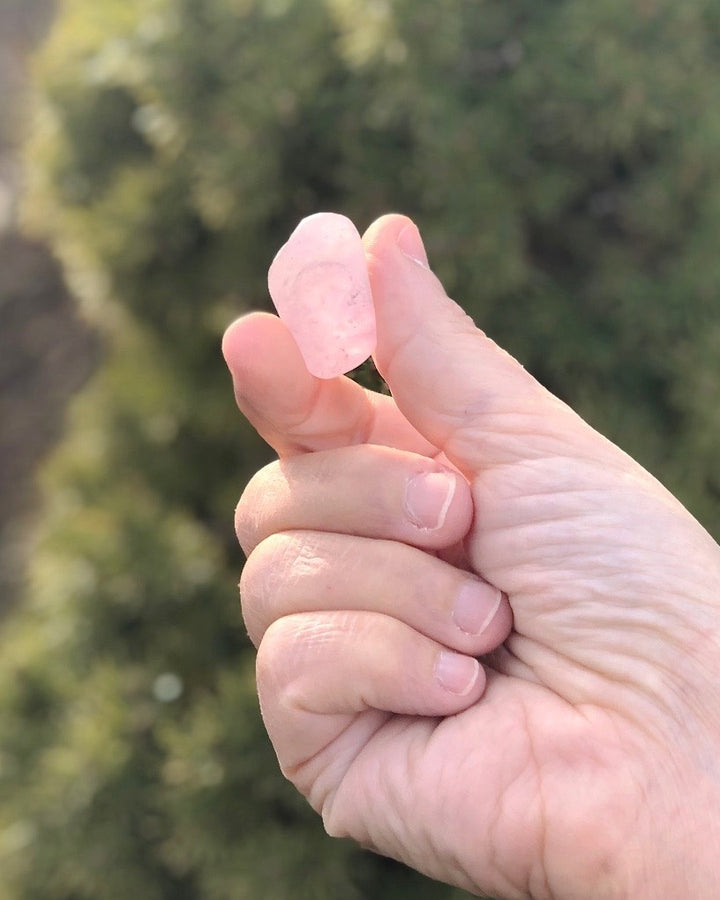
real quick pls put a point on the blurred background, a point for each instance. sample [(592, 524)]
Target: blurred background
[(563, 162)]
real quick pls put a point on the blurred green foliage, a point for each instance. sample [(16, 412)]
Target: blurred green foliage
[(563, 161)]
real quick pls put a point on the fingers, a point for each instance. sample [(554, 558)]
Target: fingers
[(296, 412), (315, 672), (369, 491), (453, 389), (459, 389), (304, 572)]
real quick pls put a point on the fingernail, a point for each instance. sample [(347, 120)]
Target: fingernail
[(475, 606), (455, 672), (410, 243), (428, 497)]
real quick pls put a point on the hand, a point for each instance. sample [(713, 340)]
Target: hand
[(584, 759)]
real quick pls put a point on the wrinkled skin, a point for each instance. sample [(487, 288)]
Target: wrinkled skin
[(582, 759)]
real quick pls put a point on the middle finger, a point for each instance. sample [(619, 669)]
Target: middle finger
[(367, 490)]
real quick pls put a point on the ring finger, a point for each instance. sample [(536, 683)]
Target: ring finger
[(307, 571)]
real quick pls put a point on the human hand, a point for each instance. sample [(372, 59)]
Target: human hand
[(583, 761)]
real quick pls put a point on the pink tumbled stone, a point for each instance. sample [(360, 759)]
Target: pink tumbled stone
[(320, 287)]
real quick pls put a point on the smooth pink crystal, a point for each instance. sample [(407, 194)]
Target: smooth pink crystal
[(320, 287)]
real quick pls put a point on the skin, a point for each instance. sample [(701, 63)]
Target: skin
[(582, 758)]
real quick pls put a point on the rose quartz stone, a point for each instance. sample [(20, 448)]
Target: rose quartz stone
[(320, 287)]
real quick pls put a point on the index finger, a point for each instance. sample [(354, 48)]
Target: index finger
[(298, 413)]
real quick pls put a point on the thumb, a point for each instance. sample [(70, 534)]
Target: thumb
[(454, 385)]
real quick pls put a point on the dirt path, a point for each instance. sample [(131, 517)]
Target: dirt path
[(46, 350)]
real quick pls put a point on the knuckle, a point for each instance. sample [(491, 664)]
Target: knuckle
[(275, 575), (271, 670), (290, 650), (261, 574), (254, 505)]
